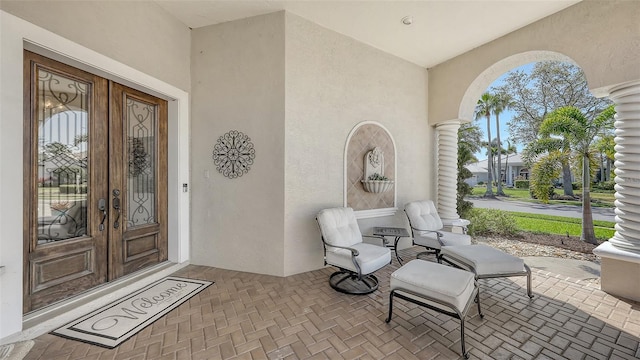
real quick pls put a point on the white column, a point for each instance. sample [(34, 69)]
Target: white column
[(620, 267), (447, 139), (627, 132)]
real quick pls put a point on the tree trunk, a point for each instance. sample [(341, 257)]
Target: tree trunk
[(588, 234), (489, 192), (603, 168), (499, 172), (566, 179)]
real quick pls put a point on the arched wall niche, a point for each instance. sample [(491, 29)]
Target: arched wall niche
[(365, 137)]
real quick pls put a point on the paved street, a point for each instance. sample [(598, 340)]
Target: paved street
[(599, 213)]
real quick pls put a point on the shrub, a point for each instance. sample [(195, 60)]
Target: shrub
[(522, 184), (605, 185), (550, 193), (480, 183), (486, 222), (576, 186)]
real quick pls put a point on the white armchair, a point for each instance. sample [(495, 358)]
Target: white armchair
[(344, 249), (426, 228)]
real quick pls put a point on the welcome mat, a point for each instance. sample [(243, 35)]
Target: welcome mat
[(116, 322)]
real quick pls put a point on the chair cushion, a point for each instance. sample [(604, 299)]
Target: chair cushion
[(448, 239), (436, 281), (483, 259), (339, 226), (370, 258), (423, 215)]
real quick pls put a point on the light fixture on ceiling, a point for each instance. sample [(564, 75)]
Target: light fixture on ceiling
[(407, 20)]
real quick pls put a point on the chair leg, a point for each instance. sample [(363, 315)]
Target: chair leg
[(349, 283), (428, 251)]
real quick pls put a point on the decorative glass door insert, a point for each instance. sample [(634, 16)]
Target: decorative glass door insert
[(62, 117), (141, 123)]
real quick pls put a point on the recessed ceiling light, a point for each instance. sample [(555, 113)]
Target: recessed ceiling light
[(407, 20)]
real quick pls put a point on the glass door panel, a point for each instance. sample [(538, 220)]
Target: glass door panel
[(62, 117)]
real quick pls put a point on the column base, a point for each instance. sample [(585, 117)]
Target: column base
[(619, 271), (456, 225)]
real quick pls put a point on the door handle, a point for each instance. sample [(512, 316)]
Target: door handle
[(116, 206), (102, 206)]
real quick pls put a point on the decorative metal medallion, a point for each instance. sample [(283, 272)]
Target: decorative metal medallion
[(233, 154)]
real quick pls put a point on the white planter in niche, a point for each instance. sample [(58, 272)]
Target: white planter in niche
[(377, 186)]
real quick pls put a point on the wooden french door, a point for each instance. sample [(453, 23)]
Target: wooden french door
[(138, 179), (95, 176)]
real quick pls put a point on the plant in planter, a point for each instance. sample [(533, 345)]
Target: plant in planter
[(377, 176), (377, 183)]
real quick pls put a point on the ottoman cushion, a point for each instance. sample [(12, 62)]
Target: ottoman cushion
[(484, 259), (435, 281), (430, 239)]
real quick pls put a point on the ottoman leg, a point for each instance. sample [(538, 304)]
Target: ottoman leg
[(390, 306), (464, 353), (528, 281), (478, 302)]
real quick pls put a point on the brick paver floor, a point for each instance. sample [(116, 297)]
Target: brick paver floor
[(250, 316)]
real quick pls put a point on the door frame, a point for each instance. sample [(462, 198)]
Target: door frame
[(17, 36)]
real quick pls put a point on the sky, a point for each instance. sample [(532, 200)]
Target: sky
[(505, 116)]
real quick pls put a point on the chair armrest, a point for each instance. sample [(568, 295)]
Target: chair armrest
[(354, 252), (438, 233), (384, 240)]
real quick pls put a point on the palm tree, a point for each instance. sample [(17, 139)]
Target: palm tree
[(484, 108), (579, 132), (501, 102), (469, 142), (606, 146)]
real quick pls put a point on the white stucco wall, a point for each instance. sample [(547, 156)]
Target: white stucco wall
[(602, 37), (138, 33), (333, 83), (298, 105), (238, 84), (14, 34)]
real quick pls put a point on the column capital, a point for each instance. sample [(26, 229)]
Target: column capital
[(452, 122), (626, 89)]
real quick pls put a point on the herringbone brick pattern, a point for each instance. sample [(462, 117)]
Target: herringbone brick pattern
[(249, 316)]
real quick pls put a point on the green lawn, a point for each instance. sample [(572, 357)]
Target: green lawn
[(602, 199), (549, 224)]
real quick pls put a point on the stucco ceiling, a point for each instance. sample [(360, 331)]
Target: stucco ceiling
[(441, 29)]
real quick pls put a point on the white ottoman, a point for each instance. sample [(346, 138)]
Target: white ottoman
[(486, 262), (438, 287)]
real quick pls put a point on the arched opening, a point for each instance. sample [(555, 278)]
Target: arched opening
[(485, 82)]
